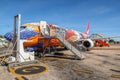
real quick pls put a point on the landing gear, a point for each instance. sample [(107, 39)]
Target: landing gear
[(39, 54)]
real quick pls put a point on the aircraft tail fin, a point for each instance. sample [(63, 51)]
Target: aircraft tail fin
[(87, 28)]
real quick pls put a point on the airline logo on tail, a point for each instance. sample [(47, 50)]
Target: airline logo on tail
[(88, 28)]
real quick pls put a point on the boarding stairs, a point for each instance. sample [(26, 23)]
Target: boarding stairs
[(60, 34), (73, 47)]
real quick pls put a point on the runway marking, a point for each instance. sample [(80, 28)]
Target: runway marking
[(47, 59), (28, 70), (83, 70), (59, 66), (115, 70), (19, 77), (53, 59), (115, 76)]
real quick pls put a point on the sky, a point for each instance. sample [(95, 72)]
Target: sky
[(104, 15)]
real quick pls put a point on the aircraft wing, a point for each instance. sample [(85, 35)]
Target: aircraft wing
[(106, 37)]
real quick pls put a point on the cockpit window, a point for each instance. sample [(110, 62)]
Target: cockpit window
[(27, 28)]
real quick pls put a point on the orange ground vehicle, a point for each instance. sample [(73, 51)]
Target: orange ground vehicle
[(101, 43)]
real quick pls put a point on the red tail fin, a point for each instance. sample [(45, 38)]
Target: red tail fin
[(87, 28)]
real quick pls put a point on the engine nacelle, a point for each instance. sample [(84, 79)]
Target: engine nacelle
[(88, 43)]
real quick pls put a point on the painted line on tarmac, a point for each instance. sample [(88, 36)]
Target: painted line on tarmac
[(28, 70), (115, 70), (115, 76), (58, 65), (18, 77), (21, 78), (53, 59), (83, 70)]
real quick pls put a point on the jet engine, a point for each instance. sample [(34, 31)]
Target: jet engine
[(88, 43)]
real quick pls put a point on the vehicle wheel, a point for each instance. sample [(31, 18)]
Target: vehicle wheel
[(101, 45)]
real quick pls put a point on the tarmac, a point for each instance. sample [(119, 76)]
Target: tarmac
[(100, 64)]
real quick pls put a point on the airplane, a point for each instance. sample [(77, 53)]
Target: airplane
[(30, 38), (39, 36)]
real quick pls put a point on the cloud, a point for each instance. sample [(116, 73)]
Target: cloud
[(101, 10)]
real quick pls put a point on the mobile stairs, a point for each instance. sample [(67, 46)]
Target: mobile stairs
[(73, 47)]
